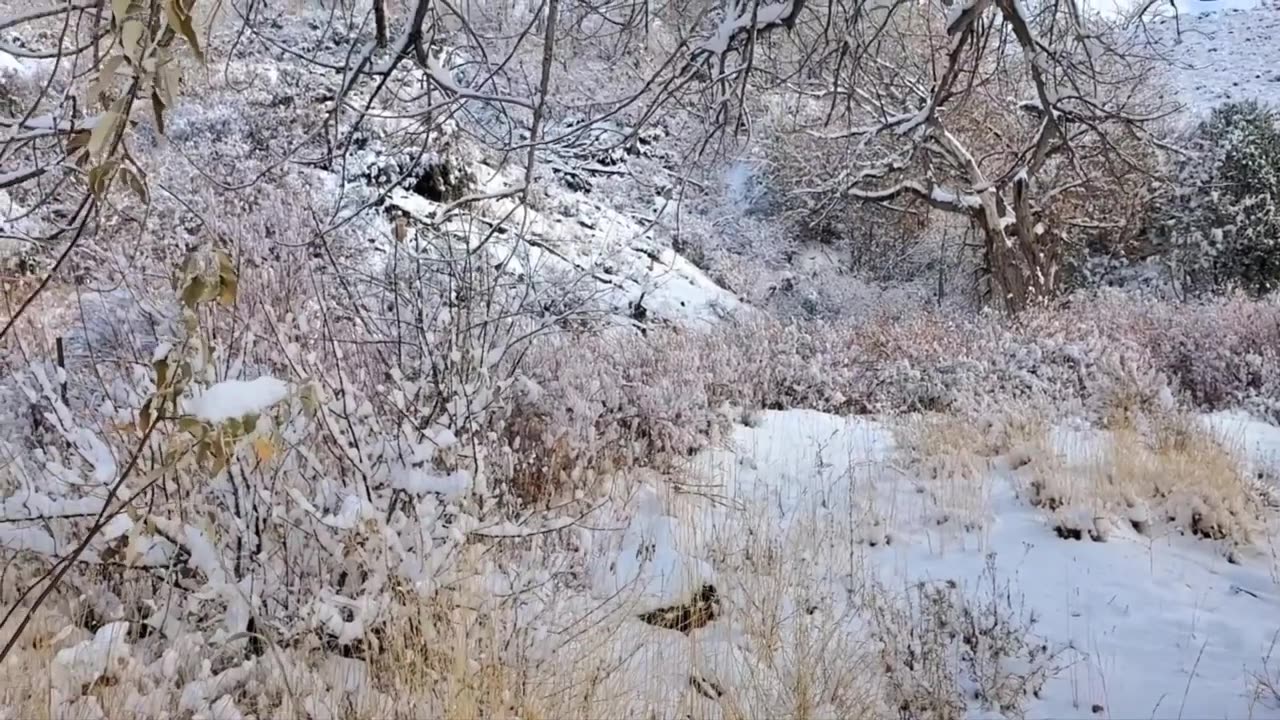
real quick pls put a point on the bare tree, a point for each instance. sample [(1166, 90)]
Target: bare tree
[(1036, 126)]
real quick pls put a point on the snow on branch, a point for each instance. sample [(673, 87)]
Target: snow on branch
[(232, 399), (746, 15)]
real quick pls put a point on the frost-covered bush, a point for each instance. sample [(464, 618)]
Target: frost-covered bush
[(1120, 360), (1224, 221), (947, 648), (283, 472)]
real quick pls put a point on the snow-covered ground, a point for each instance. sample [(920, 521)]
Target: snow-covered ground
[(1223, 52), (1155, 625), (580, 241)]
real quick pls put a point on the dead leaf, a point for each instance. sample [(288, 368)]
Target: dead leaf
[(265, 448)]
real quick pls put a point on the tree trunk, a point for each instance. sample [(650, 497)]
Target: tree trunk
[(380, 21), (548, 55), (1019, 252)]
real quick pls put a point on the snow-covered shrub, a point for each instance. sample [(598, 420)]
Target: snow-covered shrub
[(593, 405), (255, 531), (949, 650), (1214, 353), (1224, 221), (1124, 362)]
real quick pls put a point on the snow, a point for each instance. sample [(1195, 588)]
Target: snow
[(1256, 442), (585, 244), (802, 510), (738, 16), (1223, 54), (651, 562), (422, 480), (944, 195), (232, 399), (1121, 8), (84, 663), (1158, 626), (12, 66)]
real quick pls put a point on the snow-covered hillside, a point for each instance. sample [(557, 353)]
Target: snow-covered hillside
[(613, 255)]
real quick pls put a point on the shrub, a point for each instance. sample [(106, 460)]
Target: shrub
[(944, 644), (1224, 221)]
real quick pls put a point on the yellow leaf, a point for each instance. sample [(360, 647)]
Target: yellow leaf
[(265, 448), (146, 416), (194, 292), (227, 281), (192, 425)]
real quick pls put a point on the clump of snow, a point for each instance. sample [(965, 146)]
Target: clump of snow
[(232, 399), (83, 664), (420, 480), (650, 560)]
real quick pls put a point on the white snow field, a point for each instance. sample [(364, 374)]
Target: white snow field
[(813, 516)]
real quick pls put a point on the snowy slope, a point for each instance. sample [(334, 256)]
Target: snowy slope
[(1225, 51), (1139, 626), (581, 241)]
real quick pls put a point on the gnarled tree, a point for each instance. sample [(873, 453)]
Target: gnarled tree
[(1035, 123)]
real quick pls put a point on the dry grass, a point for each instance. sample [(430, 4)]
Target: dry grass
[(1177, 476), (951, 458), (1154, 473), (1266, 680), (944, 645)]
